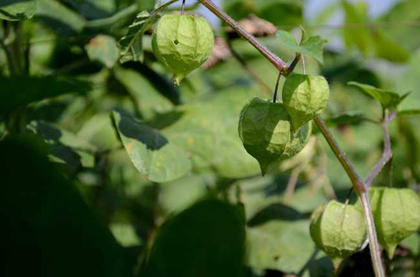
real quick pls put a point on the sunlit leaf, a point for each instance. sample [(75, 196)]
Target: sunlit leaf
[(209, 131), (152, 154), (15, 10), (388, 99), (312, 46), (131, 44), (103, 49)]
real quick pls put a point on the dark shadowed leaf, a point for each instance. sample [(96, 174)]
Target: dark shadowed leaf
[(66, 148), (103, 49), (15, 10), (154, 156), (348, 118), (279, 12), (92, 9), (20, 91), (60, 18), (388, 99), (205, 240), (46, 225)]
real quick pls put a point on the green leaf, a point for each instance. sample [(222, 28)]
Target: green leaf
[(371, 41), (98, 131), (407, 35), (131, 45), (362, 39), (15, 10), (113, 22), (46, 225), (145, 90), (386, 48), (60, 18), (408, 112), (152, 154), (312, 46), (92, 9), (278, 12), (208, 130), (103, 49), (347, 118), (20, 91), (205, 240), (412, 243), (411, 144), (388, 99), (280, 240), (181, 194), (66, 148)]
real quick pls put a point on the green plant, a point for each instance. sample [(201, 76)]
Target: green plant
[(107, 168)]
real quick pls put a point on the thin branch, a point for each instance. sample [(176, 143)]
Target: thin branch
[(304, 64), (387, 155), (270, 56), (276, 90), (183, 7), (356, 180), (245, 66), (291, 185), (293, 64)]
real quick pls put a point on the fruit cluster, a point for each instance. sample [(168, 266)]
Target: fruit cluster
[(272, 132), (339, 229)]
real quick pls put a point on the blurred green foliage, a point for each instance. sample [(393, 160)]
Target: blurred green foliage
[(81, 135)]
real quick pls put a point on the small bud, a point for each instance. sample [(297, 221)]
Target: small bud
[(338, 229), (397, 215), (266, 133), (305, 97), (182, 43)]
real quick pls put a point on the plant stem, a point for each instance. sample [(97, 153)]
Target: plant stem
[(270, 56), (362, 192), (357, 182), (387, 155), (276, 90), (183, 7), (245, 66), (375, 251)]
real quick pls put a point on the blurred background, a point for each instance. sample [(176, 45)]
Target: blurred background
[(108, 169)]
